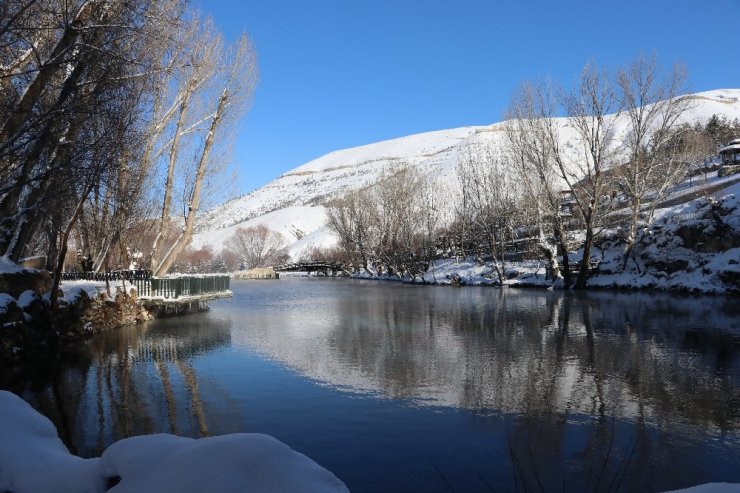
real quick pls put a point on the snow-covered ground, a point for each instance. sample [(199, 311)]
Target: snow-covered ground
[(9, 267), (689, 246), (293, 203), (686, 247), (34, 460), (71, 291)]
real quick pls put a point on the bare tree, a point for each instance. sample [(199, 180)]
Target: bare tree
[(258, 246), (492, 201), (78, 71), (653, 105), (395, 218), (226, 95), (350, 218), (431, 220), (589, 106), (197, 46), (531, 143)]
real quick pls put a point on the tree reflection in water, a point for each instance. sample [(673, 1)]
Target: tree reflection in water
[(628, 355), (133, 381), (633, 372)]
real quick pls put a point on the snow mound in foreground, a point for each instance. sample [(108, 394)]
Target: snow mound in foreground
[(34, 459), (711, 488)]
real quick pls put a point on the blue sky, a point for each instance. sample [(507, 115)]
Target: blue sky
[(342, 73)]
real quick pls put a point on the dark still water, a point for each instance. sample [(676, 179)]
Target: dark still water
[(429, 389)]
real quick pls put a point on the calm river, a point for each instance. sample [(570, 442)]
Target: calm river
[(429, 389)]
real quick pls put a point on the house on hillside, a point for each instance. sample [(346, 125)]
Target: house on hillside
[(730, 157)]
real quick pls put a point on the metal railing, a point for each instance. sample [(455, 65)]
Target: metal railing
[(115, 275), (176, 287)]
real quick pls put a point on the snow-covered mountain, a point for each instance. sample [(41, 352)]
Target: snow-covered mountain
[(293, 203)]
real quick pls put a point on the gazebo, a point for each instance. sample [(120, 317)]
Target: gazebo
[(730, 154)]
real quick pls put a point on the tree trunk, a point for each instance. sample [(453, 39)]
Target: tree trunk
[(63, 249), (585, 261), (167, 203), (550, 255), (632, 234), (187, 233)]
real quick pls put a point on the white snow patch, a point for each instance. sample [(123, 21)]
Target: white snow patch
[(7, 266), (34, 460), (5, 300), (710, 488), (26, 298), (321, 238)]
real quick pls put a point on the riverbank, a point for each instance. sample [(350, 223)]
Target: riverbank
[(691, 247), (30, 324), (30, 328)]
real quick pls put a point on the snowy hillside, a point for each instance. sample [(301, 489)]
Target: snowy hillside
[(292, 203)]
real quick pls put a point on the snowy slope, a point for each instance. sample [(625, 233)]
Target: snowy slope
[(292, 203)]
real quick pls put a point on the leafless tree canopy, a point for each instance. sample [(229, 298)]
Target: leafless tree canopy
[(95, 98), (598, 170), (659, 150), (258, 246), (389, 224)]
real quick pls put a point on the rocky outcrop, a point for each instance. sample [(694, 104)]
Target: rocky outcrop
[(104, 313), (695, 247), (29, 326)]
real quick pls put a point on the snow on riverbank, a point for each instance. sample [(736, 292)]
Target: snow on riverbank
[(71, 292), (687, 247), (34, 460), (469, 272), (694, 246)]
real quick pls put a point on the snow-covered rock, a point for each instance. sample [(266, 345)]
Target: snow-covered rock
[(7, 266), (34, 460), (692, 246)]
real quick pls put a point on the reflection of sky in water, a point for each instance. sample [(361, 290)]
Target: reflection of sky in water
[(394, 387)]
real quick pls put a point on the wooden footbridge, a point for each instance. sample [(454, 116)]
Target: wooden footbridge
[(315, 266)]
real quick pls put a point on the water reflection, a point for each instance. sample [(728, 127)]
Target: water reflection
[(605, 388), (404, 388), (133, 381), (629, 356)]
